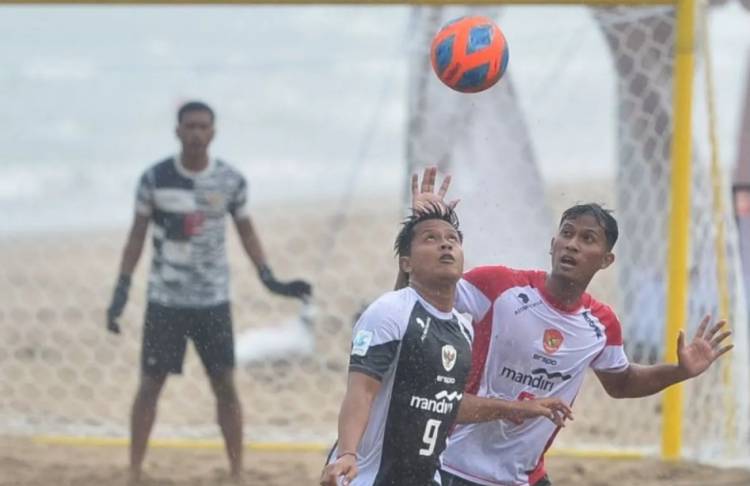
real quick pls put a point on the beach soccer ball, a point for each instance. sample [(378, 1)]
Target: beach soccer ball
[(469, 54)]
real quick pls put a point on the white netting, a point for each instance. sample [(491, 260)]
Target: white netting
[(319, 126)]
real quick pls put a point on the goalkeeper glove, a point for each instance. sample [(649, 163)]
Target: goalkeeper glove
[(296, 288)]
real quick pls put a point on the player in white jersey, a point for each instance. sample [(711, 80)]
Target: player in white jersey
[(186, 198), (536, 333), (409, 362)]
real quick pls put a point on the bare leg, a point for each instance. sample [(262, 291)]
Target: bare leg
[(142, 419), (229, 416)]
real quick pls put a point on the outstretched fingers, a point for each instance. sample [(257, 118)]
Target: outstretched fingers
[(444, 187), (428, 179), (715, 329), (702, 327), (680, 340), (716, 341), (723, 350)]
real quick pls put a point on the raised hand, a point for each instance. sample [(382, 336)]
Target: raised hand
[(705, 348), (423, 196)]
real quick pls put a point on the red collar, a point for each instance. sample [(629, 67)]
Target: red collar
[(553, 301)]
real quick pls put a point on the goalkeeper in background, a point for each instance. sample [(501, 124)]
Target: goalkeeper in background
[(187, 197), (536, 333)]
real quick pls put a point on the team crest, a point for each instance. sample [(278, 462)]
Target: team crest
[(449, 357), (552, 340)]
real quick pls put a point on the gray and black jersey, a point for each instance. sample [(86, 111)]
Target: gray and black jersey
[(188, 210), (422, 357)]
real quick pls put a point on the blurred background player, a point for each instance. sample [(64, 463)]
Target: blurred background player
[(536, 333), (410, 358), (187, 197)]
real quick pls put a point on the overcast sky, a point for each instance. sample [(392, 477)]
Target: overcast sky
[(89, 93)]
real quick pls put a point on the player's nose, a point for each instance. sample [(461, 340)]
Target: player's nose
[(572, 244)]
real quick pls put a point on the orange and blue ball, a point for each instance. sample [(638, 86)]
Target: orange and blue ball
[(469, 54)]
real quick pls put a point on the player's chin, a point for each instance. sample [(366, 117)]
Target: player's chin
[(566, 270), (449, 273)]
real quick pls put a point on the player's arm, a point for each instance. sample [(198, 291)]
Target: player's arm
[(692, 360), (361, 390), (254, 249), (130, 256), (134, 244), (250, 241), (474, 409)]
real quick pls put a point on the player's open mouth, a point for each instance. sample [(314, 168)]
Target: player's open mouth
[(447, 259), (567, 260)]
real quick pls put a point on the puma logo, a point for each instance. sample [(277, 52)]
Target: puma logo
[(425, 325)]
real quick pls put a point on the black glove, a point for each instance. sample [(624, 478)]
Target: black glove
[(296, 288), (119, 299)]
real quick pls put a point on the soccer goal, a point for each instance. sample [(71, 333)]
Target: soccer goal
[(641, 99), (606, 101)]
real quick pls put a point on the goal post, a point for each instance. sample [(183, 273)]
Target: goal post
[(679, 229)]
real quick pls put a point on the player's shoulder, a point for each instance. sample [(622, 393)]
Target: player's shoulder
[(605, 315), (598, 308), (228, 168), (394, 302), (161, 173), (389, 313), (493, 280), (465, 324), (161, 167)]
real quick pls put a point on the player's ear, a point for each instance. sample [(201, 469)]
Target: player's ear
[(404, 264), (551, 244), (609, 259)]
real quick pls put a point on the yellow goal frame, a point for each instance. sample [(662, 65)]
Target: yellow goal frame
[(681, 153)]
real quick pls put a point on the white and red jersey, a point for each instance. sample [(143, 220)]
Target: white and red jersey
[(526, 345)]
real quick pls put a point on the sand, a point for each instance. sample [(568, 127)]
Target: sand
[(62, 374), (24, 463)]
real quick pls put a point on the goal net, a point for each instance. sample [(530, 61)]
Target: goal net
[(590, 119), (327, 127)]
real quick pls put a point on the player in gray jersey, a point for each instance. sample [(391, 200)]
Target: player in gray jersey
[(186, 199), (410, 358)]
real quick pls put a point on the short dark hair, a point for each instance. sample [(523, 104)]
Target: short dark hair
[(402, 245), (194, 106), (603, 217)]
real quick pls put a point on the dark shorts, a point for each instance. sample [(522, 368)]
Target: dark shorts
[(449, 479), (166, 331)]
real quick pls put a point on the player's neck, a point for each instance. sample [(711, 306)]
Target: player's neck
[(194, 161), (564, 290), (442, 297)]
